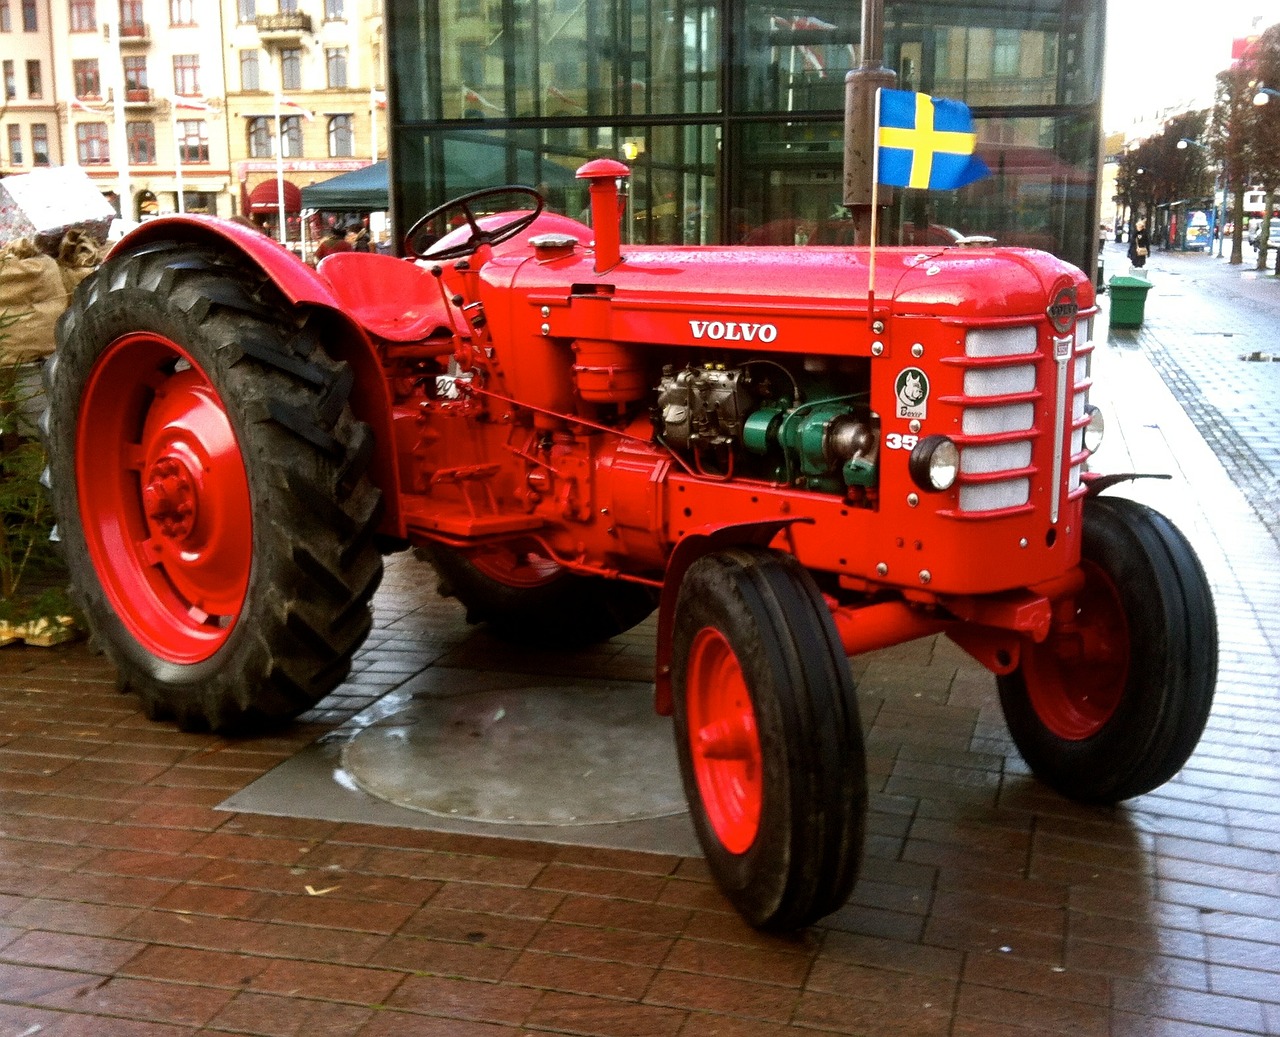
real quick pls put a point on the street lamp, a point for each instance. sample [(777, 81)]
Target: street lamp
[(1264, 95)]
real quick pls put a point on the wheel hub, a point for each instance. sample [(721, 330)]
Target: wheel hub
[(170, 497)]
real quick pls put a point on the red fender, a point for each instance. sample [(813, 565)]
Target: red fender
[(690, 548), (301, 285)]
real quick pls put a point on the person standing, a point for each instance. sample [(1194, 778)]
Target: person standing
[(332, 242), (1139, 244)]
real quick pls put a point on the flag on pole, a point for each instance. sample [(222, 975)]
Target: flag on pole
[(306, 113), (471, 99), (81, 106), (378, 98), (192, 104), (925, 142)]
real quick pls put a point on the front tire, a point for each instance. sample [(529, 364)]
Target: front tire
[(208, 480), (1113, 702), (768, 736)]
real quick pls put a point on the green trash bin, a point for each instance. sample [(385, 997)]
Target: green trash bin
[(1128, 298)]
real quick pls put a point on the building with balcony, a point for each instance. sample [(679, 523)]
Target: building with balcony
[(140, 86), (29, 119), (731, 113), (306, 73)]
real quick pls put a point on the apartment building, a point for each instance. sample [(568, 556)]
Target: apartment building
[(30, 116), (173, 105), (322, 60)]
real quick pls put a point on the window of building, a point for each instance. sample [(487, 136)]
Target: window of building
[(39, 144), (35, 87), (186, 74), (84, 17), (291, 68), (335, 63), (182, 12), (249, 79), (29, 23), (341, 139), (334, 10), (1006, 53), (247, 10), (85, 79), (6, 17), (15, 144), (10, 80), (259, 132), (142, 143), (288, 6), (291, 131), (135, 78), (131, 21), (91, 144), (193, 140)]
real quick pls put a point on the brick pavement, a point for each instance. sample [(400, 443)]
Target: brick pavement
[(129, 905)]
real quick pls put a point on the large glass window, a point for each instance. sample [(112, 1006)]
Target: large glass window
[(35, 81), (10, 80), (15, 144), (29, 20), (246, 10), (562, 57), (334, 10), (735, 132), (131, 22), (182, 12)]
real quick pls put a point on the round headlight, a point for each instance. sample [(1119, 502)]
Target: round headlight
[(935, 463), (1094, 430)]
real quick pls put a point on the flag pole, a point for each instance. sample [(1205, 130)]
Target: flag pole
[(177, 159), (373, 122), (875, 207), (284, 233)]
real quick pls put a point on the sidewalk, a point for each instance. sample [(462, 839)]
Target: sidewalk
[(131, 905)]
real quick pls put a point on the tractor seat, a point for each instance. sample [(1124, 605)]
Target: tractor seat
[(394, 299)]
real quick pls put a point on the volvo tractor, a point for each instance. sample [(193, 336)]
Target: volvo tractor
[(791, 462)]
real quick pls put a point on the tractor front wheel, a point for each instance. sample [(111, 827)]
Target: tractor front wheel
[(208, 480), (1112, 703), (768, 736)]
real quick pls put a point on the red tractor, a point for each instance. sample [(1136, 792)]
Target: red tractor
[(790, 467)]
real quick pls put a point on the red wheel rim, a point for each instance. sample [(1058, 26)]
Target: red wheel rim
[(1076, 678), (164, 499), (723, 741), (517, 564)]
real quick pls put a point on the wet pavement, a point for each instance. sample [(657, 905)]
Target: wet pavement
[(155, 883)]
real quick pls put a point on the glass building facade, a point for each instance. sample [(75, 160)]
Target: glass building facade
[(730, 112)]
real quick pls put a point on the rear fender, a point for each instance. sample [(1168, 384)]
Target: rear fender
[(690, 548), (344, 338)]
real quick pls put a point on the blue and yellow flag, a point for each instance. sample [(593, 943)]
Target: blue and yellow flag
[(926, 142)]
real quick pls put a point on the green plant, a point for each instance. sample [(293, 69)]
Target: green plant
[(32, 575)]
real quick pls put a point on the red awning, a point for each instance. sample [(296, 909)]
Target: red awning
[(266, 197)]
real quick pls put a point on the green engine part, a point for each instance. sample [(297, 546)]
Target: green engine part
[(801, 433)]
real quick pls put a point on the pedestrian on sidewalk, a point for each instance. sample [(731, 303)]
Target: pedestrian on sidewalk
[(1139, 244)]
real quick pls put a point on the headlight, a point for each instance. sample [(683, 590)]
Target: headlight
[(935, 463), (1094, 430)]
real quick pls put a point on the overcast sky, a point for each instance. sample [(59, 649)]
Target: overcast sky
[(1162, 53)]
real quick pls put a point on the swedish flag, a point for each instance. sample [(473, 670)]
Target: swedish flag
[(926, 142)]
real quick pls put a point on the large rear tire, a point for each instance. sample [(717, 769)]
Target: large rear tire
[(1113, 702), (209, 483), (528, 598), (768, 736)]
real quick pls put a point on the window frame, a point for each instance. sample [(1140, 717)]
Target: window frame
[(181, 67), (340, 125), (90, 136), (80, 71), (185, 134), (83, 15), (144, 132)]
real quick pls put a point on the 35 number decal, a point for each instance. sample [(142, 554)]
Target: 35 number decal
[(894, 441)]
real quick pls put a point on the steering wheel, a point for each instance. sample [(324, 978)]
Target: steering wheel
[(439, 235)]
